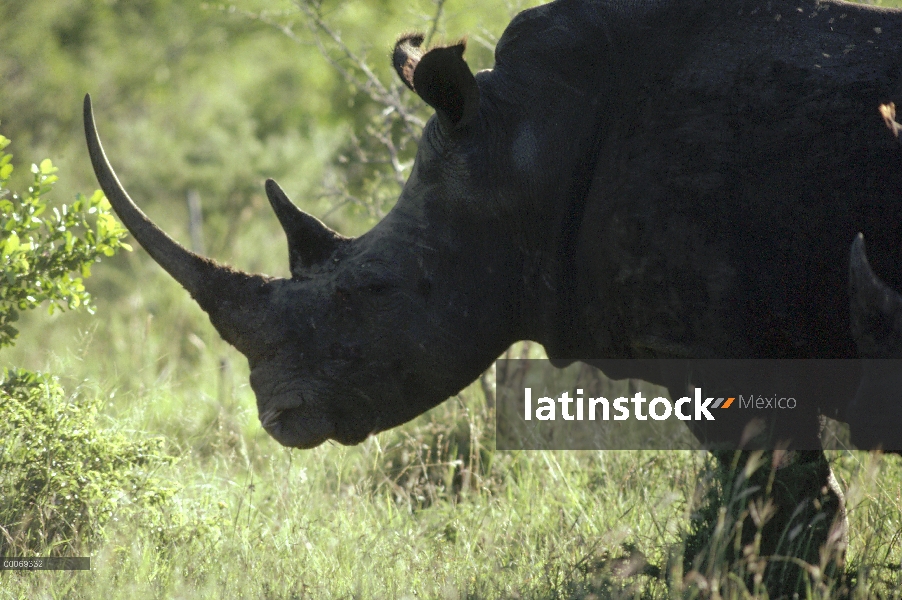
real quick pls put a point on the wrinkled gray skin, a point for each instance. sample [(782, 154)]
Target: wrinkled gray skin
[(632, 180), (875, 415)]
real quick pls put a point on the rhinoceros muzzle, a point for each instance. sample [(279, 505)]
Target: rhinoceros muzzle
[(298, 428), (292, 428)]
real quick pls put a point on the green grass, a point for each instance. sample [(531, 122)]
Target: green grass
[(426, 511), (429, 510)]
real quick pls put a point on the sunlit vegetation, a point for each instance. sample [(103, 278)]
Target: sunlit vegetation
[(139, 444)]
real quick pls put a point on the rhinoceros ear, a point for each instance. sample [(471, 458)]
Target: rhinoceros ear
[(309, 240), (876, 308), (441, 77)]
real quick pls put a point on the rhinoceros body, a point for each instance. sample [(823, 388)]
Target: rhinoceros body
[(672, 179)]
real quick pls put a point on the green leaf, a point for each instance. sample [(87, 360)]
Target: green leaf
[(99, 200), (11, 244), (42, 256)]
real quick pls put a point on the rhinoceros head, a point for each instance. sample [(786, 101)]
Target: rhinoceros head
[(368, 332)]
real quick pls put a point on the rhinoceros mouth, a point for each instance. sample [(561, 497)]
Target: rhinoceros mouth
[(296, 428)]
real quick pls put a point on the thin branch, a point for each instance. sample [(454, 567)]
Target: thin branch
[(439, 7), (384, 136), (389, 97)]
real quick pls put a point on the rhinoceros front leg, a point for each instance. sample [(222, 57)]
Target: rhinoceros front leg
[(769, 518), (875, 414)]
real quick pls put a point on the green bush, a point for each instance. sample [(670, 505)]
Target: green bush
[(62, 474)]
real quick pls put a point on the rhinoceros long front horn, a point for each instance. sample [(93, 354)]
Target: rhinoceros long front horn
[(235, 301)]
